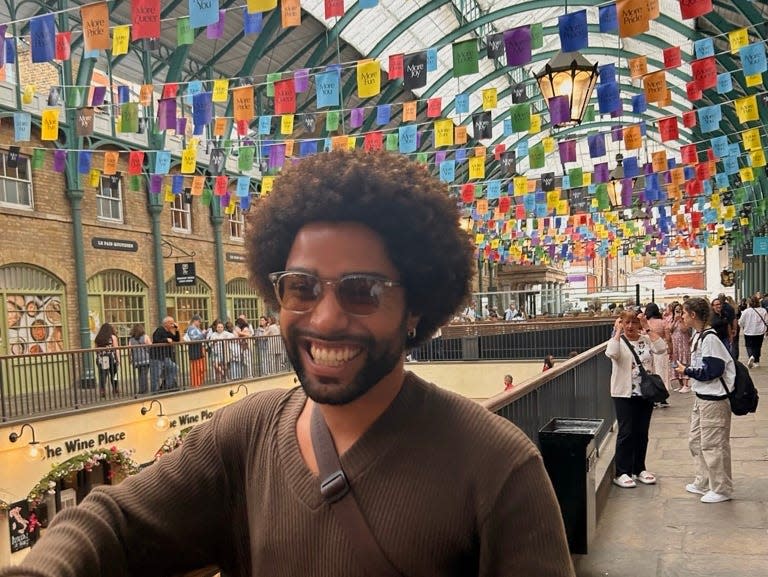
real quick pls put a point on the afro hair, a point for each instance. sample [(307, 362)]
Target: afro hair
[(398, 199)]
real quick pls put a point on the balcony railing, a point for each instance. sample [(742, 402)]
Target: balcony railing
[(532, 339), (41, 384), (38, 384), (577, 388)]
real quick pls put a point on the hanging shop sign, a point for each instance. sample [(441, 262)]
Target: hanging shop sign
[(234, 257), (185, 274), (760, 245), (114, 244)]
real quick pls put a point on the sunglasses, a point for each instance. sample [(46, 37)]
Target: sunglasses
[(357, 294)]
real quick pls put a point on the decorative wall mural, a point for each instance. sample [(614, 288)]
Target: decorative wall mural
[(34, 324)]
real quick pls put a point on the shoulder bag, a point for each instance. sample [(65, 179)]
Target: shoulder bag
[(335, 488), (651, 385)]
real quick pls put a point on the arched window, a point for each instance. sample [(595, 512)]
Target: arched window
[(118, 298), (242, 299), (184, 301), (33, 300)]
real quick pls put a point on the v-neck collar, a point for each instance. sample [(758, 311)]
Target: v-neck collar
[(387, 430)]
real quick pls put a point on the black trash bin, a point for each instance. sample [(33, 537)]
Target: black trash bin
[(569, 452)]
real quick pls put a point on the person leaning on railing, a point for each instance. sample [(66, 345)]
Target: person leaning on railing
[(196, 353), (163, 365), (106, 358), (139, 355)]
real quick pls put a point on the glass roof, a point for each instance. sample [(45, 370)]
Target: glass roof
[(406, 26)]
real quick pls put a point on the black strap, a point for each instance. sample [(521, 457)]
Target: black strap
[(337, 492), (728, 393), (640, 366)]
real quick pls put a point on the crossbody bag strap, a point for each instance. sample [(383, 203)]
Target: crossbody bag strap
[(634, 354), (337, 492)]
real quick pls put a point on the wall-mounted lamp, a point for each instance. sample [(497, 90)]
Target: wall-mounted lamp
[(34, 450), (233, 392), (162, 423)]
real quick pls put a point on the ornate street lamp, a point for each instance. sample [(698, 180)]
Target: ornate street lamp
[(566, 82)]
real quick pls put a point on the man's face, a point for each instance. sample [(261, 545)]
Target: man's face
[(168, 324), (716, 306), (338, 356)]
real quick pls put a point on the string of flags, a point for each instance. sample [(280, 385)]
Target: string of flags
[(498, 211)]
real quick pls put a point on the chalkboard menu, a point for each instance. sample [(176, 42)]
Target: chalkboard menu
[(18, 523)]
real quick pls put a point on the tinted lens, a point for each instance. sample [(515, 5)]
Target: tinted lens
[(298, 292), (359, 295)]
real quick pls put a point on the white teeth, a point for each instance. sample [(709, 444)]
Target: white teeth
[(332, 357)]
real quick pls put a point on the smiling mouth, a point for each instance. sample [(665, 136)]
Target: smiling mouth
[(333, 356)]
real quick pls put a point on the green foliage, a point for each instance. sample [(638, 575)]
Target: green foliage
[(116, 458)]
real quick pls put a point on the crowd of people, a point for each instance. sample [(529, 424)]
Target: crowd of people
[(223, 351), (673, 343), (471, 313)]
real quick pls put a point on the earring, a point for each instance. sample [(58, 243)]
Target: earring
[(411, 333)]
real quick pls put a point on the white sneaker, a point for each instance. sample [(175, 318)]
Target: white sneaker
[(751, 362), (691, 488), (625, 482), (756, 365), (712, 497)]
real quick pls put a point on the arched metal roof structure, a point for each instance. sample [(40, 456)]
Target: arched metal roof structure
[(400, 27)]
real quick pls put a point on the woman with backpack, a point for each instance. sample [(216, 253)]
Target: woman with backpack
[(711, 371), (139, 355), (753, 323)]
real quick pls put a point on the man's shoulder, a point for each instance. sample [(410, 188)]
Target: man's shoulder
[(254, 410), (468, 426)]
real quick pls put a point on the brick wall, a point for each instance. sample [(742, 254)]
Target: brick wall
[(43, 237)]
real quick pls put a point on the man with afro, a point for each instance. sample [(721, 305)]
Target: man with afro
[(364, 257)]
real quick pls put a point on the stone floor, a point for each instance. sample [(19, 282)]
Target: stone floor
[(663, 531)]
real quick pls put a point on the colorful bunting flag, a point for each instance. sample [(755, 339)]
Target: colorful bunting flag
[(145, 19), (42, 32), (285, 96), (415, 70), (368, 78), (50, 124), (695, 8), (95, 22), (290, 13), (572, 29), (465, 58), (632, 17), (63, 45), (334, 9), (672, 57), (202, 14), (517, 44)]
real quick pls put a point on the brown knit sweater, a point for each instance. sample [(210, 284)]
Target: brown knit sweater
[(448, 489)]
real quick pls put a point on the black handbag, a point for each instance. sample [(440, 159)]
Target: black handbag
[(651, 385)]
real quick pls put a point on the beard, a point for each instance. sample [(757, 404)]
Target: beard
[(382, 357)]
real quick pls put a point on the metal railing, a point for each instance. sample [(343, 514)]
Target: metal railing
[(39, 384), (576, 388), (515, 340), (45, 383)]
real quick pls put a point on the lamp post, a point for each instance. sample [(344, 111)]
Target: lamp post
[(566, 82)]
